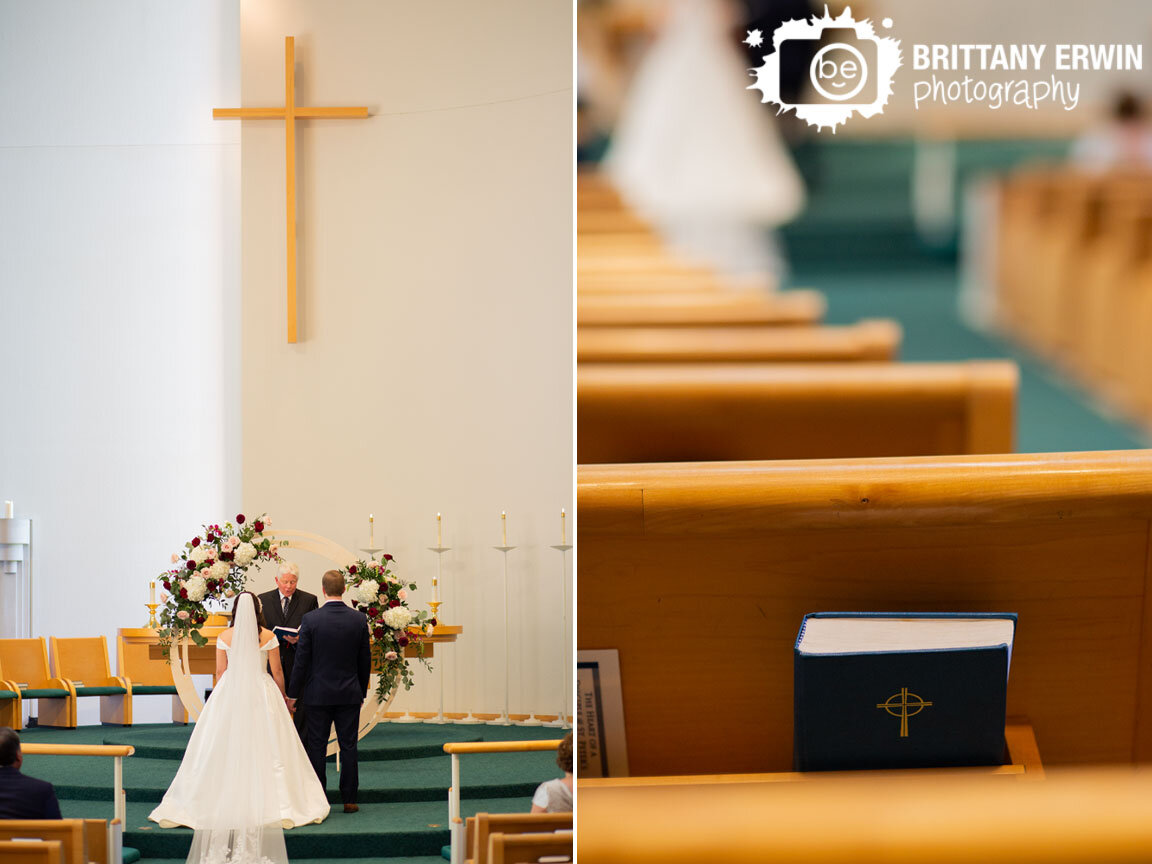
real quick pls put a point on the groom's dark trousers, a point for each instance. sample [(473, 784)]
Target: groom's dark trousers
[(330, 679)]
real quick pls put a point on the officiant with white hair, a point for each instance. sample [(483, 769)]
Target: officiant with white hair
[(284, 606)]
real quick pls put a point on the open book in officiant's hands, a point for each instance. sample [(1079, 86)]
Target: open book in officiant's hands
[(281, 632)]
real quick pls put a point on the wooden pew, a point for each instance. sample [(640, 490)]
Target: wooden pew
[(99, 841), (869, 340), (1072, 218), (528, 848), (1109, 322), (1137, 376), (638, 277), (69, 833), (1056, 227), (716, 412), (32, 852), (731, 309), (1024, 763), (487, 824), (699, 575), (1025, 204), (1097, 816), (457, 749)]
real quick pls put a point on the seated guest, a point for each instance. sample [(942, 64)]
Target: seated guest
[(1124, 142), (22, 797), (555, 796)]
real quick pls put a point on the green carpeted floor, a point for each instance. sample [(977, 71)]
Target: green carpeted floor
[(404, 779), (856, 242), (1053, 415)]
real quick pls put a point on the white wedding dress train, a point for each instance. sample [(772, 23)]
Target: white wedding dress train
[(245, 776)]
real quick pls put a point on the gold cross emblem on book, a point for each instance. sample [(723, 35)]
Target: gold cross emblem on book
[(899, 705)]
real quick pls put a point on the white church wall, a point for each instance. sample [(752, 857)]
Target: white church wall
[(434, 368), (119, 298)]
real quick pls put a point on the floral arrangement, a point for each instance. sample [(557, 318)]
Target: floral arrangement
[(213, 566), (381, 596)]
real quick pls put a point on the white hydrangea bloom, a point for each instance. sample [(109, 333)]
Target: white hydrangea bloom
[(219, 570), (367, 592), (200, 553), (245, 552), (398, 618), (196, 588)]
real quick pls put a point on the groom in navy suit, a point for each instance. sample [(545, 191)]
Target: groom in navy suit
[(330, 679)]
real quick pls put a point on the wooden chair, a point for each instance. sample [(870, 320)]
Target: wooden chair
[(731, 309), (147, 677), (718, 412), (488, 824), (11, 713), (25, 662), (867, 341), (702, 573), (32, 852), (524, 848), (83, 663), (69, 833)]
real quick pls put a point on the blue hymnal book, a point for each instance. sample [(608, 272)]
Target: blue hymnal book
[(281, 632), (901, 690)]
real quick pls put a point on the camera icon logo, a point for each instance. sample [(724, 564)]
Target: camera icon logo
[(839, 69), (849, 67)]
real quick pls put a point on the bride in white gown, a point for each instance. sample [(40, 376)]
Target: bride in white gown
[(245, 776)]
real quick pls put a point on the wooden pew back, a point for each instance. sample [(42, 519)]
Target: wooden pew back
[(70, 833), (688, 308), (1099, 817), (682, 412), (699, 575), (488, 824), (97, 832), (870, 340), (528, 848), (32, 852)]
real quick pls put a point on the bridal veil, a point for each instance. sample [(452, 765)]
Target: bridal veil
[(240, 822)]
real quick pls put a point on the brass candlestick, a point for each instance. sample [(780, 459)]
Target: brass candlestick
[(152, 625), (435, 605)]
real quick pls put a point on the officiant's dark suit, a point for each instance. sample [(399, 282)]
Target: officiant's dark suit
[(300, 603), (333, 665)]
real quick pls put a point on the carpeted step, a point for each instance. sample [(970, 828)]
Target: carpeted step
[(388, 741), (393, 830), (504, 775), (404, 801), (421, 859)]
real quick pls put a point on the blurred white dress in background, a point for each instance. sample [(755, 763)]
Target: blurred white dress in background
[(698, 155)]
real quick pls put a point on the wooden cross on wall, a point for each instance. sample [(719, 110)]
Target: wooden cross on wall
[(290, 111)]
